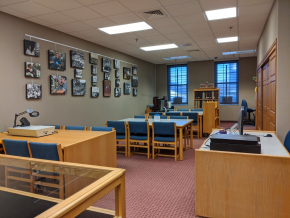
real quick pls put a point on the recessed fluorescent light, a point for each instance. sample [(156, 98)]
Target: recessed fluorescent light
[(221, 13), (227, 39), (126, 28), (159, 47), (177, 57), (239, 52)]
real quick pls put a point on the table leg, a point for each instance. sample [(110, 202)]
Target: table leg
[(191, 136), (181, 144), (120, 199)]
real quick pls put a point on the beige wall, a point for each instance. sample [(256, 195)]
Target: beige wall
[(203, 71), (63, 109)]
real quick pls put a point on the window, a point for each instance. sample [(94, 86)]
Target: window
[(227, 80), (177, 83)]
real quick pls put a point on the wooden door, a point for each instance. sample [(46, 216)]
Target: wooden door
[(259, 115), (265, 96), (272, 92)]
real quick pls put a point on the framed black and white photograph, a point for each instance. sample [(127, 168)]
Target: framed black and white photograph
[(126, 73), (107, 76), (134, 81), (78, 87), (78, 73), (33, 91), (95, 92), (94, 69), (31, 48), (117, 64), (94, 80), (134, 70), (32, 70), (107, 88), (93, 58), (117, 82), (107, 65), (58, 84), (134, 91), (117, 73), (56, 60), (117, 92), (127, 88), (77, 59)]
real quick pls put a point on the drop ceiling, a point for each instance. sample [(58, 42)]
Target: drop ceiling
[(183, 23)]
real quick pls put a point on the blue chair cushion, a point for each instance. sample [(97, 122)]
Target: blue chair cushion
[(119, 136), (104, 129), (46, 151), (161, 128), (75, 127), (16, 147), (173, 114), (191, 115), (164, 138), (153, 113), (139, 116), (138, 127), (118, 125), (182, 109), (244, 103), (139, 137)]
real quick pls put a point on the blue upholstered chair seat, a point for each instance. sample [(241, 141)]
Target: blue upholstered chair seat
[(120, 136), (164, 138), (139, 137)]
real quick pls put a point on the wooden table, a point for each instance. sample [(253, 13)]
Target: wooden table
[(101, 181), (86, 147), (233, 184), (180, 124)]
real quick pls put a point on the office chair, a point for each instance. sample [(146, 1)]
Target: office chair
[(249, 111), (287, 141)]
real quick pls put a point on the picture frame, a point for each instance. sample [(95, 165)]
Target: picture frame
[(77, 59), (93, 58), (78, 73), (117, 73), (31, 48), (56, 60), (117, 92), (117, 82), (95, 92), (58, 85), (107, 76), (78, 87), (32, 69), (107, 88), (127, 88), (117, 64), (33, 91), (135, 90), (126, 73), (94, 80), (93, 69), (134, 70), (134, 81), (107, 65)]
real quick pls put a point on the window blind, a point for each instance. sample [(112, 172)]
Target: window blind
[(227, 80), (177, 82)]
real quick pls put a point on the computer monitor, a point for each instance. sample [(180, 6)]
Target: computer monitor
[(240, 121)]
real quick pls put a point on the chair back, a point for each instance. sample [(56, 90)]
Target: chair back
[(46, 151), (178, 117), (140, 128), (163, 117), (244, 103), (169, 110), (183, 109), (153, 113), (191, 116), (200, 109), (16, 147), (139, 116), (119, 126), (172, 114), (56, 126), (161, 128), (75, 128), (103, 129), (287, 141)]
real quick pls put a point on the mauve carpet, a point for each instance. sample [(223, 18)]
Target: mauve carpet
[(159, 187)]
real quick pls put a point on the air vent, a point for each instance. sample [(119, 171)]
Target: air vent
[(194, 50), (184, 45), (154, 14)]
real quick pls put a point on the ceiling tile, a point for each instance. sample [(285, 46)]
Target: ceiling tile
[(195, 26), (230, 46), (161, 54), (251, 26), (184, 8), (190, 18), (203, 37), (252, 2), (250, 18), (140, 43), (91, 2), (9, 2), (77, 26), (125, 18), (173, 2), (200, 32), (125, 36), (58, 5), (171, 29), (137, 5), (77, 34), (162, 22), (224, 22), (159, 39), (32, 8), (57, 18), (157, 42), (109, 8), (82, 13), (39, 21), (179, 35), (61, 28), (93, 33), (118, 43), (211, 42), (177, 52), (247, 55), (250, 37), (217, 4), (14, 12), (180, 41), (105, 38), (225, 34), (99, 22), (250, 32), (151, 32), (255, 9)]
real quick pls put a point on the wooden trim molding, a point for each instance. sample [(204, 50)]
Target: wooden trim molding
[(268, 54)]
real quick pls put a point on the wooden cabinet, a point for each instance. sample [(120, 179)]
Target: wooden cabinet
[(211, 117), (266, 88)]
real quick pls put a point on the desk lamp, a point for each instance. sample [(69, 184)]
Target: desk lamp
[(23, 120)]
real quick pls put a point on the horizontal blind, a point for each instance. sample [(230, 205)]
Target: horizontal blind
[(227, 80), (177, 82)]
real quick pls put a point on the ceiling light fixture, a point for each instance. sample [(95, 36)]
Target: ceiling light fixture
[(227, 39), (177, 57), (126, 28), (239, 52), (221, 13), (159, 47)]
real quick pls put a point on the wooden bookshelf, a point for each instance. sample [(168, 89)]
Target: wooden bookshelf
[(203, 95), (211, 116)]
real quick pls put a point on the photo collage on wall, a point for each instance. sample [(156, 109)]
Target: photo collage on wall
[(32, 69), (56, 60), (93, 59), (58, 84)]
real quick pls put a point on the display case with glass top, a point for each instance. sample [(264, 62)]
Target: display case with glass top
[(40, 188)]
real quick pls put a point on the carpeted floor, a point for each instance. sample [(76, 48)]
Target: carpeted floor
[(159, 187)]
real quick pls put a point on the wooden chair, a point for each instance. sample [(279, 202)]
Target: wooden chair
[(138, 132), (173, 114), (43, 179), (185, 131), (164, 133), (17, 175), (121, 134), (101, 129), (195, 123), (84, 128), (139, 116)]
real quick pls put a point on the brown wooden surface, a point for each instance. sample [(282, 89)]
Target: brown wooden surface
[(209, 116)]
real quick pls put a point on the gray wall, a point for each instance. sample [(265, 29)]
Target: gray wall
[(63, 109), (203, 71)]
